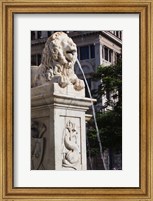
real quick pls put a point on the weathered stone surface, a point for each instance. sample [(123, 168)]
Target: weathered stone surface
[(57, 65), (64, 111)]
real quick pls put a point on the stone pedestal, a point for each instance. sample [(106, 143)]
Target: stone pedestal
[(58, 127)]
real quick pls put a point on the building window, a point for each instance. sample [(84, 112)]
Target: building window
[(118, 34), (121, 35), (36, 60), (92, 51), (87, 52), (39, 34), (49, 33), (107, 54), (33, 60), (84, 52), (39, 59), (118, 57), (33, 35)]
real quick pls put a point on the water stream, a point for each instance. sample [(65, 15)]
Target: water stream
[(94, 116)]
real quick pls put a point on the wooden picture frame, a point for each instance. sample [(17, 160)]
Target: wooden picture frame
[(145, 11)]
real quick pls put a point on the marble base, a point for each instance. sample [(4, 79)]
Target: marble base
[(59, 139)]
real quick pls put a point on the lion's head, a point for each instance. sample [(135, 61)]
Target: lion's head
[(61, 50)]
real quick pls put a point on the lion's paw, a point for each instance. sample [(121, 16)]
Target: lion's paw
[(63, 81), (79, 84)]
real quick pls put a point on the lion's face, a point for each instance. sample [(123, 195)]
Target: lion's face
[(59, 49), (69, 49)]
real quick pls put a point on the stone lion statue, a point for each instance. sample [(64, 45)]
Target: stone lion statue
[(57, 64)]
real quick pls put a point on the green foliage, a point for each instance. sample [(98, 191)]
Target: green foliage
[(111, 82), (109, 117)]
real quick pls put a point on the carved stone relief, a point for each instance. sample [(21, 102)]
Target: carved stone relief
[(37, 145), (71, 146)]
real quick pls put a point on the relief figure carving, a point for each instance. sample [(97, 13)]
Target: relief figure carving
[(37, 145), (71, 147)]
